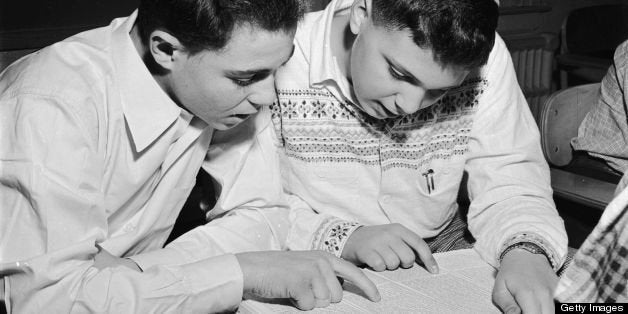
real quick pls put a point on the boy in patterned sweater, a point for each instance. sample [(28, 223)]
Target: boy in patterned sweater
[(386, 110)]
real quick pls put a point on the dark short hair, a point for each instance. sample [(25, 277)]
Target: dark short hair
[(459, 32), (208, 24)]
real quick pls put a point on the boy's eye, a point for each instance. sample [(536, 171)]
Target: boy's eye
[(399, 76), (248, 80), (396, 74), (243, 81)]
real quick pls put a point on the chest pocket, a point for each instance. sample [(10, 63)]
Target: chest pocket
[(440, 181), (320, 181)]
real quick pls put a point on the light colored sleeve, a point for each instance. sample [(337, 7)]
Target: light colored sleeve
[(253, 212), (508, 177), (604, 131), (52, 215), (315, 231)]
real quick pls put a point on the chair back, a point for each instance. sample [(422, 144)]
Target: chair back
[(561, 116)]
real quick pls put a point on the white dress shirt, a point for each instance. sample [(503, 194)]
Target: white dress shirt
[(93, 151)]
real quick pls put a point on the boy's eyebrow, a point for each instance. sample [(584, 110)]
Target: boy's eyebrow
[(252, 72)]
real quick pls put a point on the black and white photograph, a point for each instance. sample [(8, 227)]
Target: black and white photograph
[(324, 156)]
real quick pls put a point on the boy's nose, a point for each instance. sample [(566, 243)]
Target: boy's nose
[(265, 94), (410, 102)]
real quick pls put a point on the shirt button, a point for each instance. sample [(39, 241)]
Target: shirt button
[(386, 199), (129, 228)]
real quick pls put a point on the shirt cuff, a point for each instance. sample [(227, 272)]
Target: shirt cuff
[(550, 253), (162, 257), (219, 277), (332, 235)]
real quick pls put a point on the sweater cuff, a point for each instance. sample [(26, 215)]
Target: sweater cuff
[(549, 252), (332, 235)]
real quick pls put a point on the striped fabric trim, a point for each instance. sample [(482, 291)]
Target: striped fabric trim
[(536, 239), (455, 236)]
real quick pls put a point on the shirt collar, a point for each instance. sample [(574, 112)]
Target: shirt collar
[(148, 110), (323, 64)]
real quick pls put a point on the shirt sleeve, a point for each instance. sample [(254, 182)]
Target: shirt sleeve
[(508, 177), (314, 231), (604, 131), (253, 212), (52, 215)]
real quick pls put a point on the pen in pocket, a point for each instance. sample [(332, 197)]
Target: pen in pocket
[(429, 181)]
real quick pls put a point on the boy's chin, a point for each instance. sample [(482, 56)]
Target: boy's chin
[(226, 124), (374, 113)]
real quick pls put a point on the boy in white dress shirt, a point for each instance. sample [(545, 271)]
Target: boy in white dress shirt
[(101, 137)]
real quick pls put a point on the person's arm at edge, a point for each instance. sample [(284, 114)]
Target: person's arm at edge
[(509, 187), (60, 249), (508, 175)]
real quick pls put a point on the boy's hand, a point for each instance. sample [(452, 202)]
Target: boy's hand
[(307, 278), (525, 283), (388, 247)]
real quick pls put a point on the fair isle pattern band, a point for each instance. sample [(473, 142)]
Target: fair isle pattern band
[(314, 126), (332, 235)]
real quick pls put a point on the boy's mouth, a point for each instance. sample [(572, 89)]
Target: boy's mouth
[(385, 112)]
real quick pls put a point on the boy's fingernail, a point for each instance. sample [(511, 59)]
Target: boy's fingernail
[(513, 310), (434, 269), (376, 297)]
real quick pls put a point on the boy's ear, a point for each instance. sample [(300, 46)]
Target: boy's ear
[(360, 13), (164, 48)]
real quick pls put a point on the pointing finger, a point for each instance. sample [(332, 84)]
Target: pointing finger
[(333, 283), (422, 250), (350, 272)]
